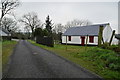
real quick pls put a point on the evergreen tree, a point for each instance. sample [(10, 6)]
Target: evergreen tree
[(48, 25), (48, 32), (38, 32), (45, 32)]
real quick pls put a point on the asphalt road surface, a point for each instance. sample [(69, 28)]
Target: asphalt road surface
[(29, 61)]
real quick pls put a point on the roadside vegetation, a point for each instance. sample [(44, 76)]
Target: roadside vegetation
[(103, 62), (115, 48), (7, 49)]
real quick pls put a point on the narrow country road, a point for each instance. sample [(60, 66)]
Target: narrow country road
[(29, 61)]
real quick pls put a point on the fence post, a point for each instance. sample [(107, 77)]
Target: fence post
[(113, 33)]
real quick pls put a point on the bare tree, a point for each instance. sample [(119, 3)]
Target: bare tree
[(27, 31), (7, 6), (58, 28), (31, 21), (77, 22), (9, 24)]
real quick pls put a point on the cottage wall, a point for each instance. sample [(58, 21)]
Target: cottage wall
[(77, 40)]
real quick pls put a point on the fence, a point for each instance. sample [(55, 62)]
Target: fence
[(45, 41)]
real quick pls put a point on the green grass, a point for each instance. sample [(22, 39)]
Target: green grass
[(100, 61), (7, 49)]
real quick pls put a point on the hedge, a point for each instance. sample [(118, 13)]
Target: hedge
[(45, 41)]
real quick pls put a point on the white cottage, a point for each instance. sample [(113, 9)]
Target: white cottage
[(5, 34), (78, 35)]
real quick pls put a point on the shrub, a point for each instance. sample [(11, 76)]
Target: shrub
[(103, 58), (105, 45), (113, 62), (114, 66), (111, 47), (45, 41), (114, 48)]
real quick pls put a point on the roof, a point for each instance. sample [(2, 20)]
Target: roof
[(4, 32), (92, 30)]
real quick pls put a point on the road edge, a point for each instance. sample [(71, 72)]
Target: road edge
[(5, 72)]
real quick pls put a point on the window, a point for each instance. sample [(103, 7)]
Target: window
[(91, 39), (82, 40), (69, 38)]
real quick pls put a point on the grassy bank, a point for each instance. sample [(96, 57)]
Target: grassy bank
[(101, 61), (7, 49)]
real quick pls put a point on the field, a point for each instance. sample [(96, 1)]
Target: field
[(100, 61)]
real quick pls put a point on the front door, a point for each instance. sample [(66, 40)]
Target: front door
[(82, 40)]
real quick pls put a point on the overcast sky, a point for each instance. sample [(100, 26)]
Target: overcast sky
[(69, 0), (61, 12)]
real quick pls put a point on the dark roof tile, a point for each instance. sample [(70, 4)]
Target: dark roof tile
[(84, 30)]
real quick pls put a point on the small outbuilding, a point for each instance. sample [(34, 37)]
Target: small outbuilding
[(4, 34), (87, 34)]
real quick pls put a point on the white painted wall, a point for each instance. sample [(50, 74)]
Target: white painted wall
[(77, 40)]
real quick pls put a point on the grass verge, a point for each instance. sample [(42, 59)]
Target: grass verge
[(7, 49), (100, 61)]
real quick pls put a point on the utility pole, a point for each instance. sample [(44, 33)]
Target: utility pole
[(100, 35), (113, 33)]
